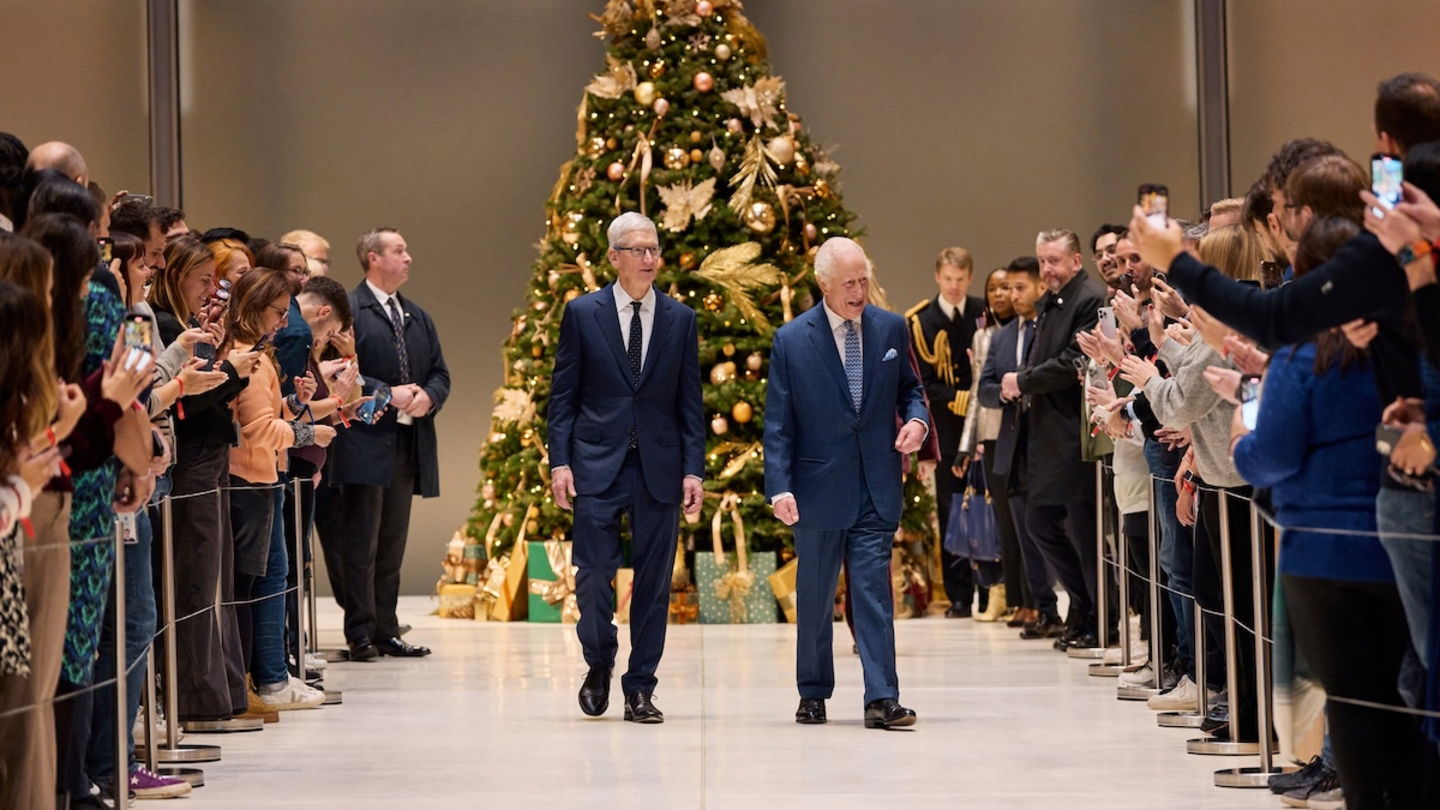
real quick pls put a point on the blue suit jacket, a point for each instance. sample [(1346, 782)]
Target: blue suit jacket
[(999, 362), (593, 402), (816, 446)]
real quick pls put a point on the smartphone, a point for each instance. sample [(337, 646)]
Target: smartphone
[(145, 198), (377, 405), (1155, 202), (262, 342), (1272, 275), (1387, 438), (139, 331), (1387, 173), (106, 249), (1249, 396), (1107, 321)]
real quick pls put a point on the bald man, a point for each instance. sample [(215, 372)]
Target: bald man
[(61, 157)]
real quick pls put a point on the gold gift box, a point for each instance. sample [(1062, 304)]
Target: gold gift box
[(782, 582)]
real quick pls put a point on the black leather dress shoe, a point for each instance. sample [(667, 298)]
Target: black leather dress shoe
[(1046, 627), (1082, 641), (640, 709), (363, 649), (595, 691), (888, 713), (957, 612), (394, 646), (1218, 718), (811, 712)]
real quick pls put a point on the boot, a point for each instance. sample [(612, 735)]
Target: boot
[(997, 605)]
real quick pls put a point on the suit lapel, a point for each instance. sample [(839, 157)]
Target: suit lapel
[(658, 329), (609, 321), (870, 352), (824, 342)]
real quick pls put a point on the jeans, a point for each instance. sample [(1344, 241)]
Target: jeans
[(1177, 550), (267, 663), (140, 621), (1403, 511)]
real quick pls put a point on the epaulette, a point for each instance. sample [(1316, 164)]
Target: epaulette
[(915, 310)]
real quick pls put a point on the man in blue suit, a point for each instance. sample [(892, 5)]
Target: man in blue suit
[(839, 384), (626, 438)]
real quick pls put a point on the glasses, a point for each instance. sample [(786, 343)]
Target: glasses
[(641, 252), (282, 312)]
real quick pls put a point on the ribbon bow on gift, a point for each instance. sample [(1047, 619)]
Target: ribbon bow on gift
[(560, 591), (734, 585)]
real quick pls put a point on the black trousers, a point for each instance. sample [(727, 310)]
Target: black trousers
[(1065, 534), (1209, 590), (363, 530), (597, 554), (956, 574), (1017, 587), (1354, 637)]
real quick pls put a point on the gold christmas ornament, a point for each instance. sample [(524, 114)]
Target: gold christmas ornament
[(823, 189), (645, 93), (759, 217), (703, 82), (676, 158), (695, 136), (612, 143), (541, 306), (754, 361), (497, 437), (714, 302), (722, 52), (657, 68), (718, 425), (781, 148), (742, 412), (615, 171), (728, 350), (661, 106), (696, 156), (688, 261), (533, 527), (595, 147), (802, 166), (652, 39), (537, 350), (723, 372), (717, 157), (570, 230)]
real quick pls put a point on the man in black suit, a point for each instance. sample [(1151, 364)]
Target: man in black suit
[(375, 470), (940, 332), (627, 437), (1059, 484), (1007, 354)]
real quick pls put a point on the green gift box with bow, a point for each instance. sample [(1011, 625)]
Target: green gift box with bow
[(552, 583), (734, 587)]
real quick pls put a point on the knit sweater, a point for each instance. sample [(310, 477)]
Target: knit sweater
[(1185, 399), (264, 431)]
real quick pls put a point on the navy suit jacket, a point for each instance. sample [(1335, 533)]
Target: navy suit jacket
[(593, 402), (999, 362), (816, 446)]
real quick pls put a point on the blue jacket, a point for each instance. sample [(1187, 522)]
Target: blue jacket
[(816, 446), (593, 402), (1314, 446)]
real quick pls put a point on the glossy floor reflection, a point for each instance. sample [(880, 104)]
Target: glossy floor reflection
[(490, 720)]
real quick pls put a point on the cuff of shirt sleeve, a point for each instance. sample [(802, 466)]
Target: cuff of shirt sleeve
[(782, 496)]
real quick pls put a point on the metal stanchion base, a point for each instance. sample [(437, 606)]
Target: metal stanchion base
[(1086, 653), (234, 724), (186, 752), (1256, 777), (1209, 746), (194, 776), (1135, 692), (1179, 720), (1106, 670), (333, 697)]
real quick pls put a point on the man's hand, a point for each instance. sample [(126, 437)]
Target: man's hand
[(1181, 332), (1010, 386), (694, 495), (1173, 438), (562, 486), (1225, 382), (912, 435), (1168, 300), (1157, 246), (400, 396), (1404, 411), (1414, 453), (787, 510), (1127, 309), (419, 403), (1138, 372), (1360, 332)]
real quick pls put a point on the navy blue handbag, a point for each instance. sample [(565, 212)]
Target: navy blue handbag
[(971, 530)]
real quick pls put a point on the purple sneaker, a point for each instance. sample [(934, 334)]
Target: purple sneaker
[(146, 785)]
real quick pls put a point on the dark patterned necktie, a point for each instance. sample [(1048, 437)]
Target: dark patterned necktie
[(398, 322), (635, 340), (1027, 340), (853, 370)]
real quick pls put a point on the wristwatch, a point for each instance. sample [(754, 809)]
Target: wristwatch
[(1412, 251)]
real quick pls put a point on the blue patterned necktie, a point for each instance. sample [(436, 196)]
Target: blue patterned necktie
[(852, 364)]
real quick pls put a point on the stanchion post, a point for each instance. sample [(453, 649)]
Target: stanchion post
[(1157, 640), (1202, 704), (1123, 549), (120, 777), (1232, 746), (1099, 650), (1104, 669), (299, 581), (148, 698), (173, 751)]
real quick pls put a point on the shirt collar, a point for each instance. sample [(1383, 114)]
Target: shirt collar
[(946, 307), (381, 296), (623, 299), (836, 322)]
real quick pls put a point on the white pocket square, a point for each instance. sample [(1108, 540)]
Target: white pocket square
[(890, 355)]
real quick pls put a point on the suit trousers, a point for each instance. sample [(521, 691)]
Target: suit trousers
[(1017, 586), (597, 554), (865, 550), (363, 530), (1065, 534)]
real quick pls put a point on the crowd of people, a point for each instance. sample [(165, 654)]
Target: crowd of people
[(150, 371), (1282, 351)]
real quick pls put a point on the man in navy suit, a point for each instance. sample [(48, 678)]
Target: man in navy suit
[(839, 378), (626, 437)]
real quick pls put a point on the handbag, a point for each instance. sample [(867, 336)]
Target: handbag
[(971, 531)]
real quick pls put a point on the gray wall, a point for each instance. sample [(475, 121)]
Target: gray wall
[(973, 122)]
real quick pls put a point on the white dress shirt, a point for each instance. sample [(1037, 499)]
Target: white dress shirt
[(1020, 342), (948, 308), (837, 330), (384, 298), (627, 313)]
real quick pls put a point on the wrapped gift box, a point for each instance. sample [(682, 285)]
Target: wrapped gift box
[(782, 583), (624, 590), (552, 583), (730, 596), (684, 608), (456, 601), (505, 590)]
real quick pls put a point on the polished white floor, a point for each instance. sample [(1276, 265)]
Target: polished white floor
[(490, 720)]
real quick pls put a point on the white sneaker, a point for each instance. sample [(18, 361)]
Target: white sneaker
[(293, 694), (1181, 698), (1137, 655), (315, 662), (138, 732), (1144, 676)]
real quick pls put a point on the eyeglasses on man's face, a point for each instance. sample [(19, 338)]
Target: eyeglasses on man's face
[(641, 252)]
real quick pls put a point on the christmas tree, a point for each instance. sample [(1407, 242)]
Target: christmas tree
[(687, 125)]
